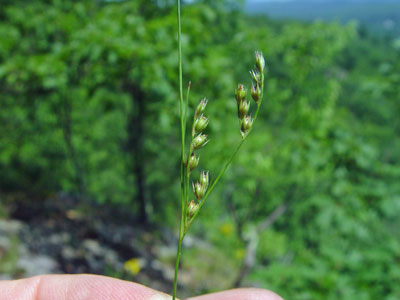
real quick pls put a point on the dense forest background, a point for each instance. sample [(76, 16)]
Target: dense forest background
[(89, 146)]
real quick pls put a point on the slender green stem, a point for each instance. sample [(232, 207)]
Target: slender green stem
[(186, 188), (261, 98), (186, 106), (183, 128), (178, 255), (221, 173), (190, 152), (181, 104), (188, 179), (182, 110)]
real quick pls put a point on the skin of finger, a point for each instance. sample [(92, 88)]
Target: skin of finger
[(240, 294), (76, 287)]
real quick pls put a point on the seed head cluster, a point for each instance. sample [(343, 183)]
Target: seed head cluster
[(256, 91), (199, 139)]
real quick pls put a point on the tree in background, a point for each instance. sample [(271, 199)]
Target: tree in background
[(88, 106)]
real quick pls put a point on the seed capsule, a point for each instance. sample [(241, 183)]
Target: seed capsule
[(204, 179), (256, 93), (200, 107), (240, 93), (243, 109), (193, 162), (260, 61), (198, 191), (256, 76), (199, 141), (245, 125), (200, 124), (193, 207)]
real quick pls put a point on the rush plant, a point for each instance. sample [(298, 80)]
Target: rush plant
[(198, 139)]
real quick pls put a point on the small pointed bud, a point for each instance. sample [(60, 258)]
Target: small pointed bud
[(193, 207), (256, 92), (198, 191), (240, 93), (200, 107), (193, 162), (245, 125), (204, 179), (260, 61), (243, 109), (200, 124), (199, 141)]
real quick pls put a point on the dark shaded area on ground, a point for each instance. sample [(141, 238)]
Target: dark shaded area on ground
[(70, 235)]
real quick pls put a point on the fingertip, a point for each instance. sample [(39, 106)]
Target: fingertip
[(262, 294), (22, 289), (241, 294), (92, 287), (161, 296), (76, 287)]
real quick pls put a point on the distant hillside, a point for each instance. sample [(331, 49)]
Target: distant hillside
[(378, 15)]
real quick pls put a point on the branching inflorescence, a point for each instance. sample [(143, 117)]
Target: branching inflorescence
[(198, 139)]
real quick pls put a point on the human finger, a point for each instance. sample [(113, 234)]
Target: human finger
[(76, 287), (240, 294)]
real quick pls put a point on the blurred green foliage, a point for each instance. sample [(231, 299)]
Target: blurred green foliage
[(88, 105)]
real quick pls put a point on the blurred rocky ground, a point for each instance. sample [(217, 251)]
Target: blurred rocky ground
[(61, 235)]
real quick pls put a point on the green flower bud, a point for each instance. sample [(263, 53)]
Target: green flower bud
[(199, 141), (193, 162), (204, 179), (260, 62), (193, 207), (200, 124), (240, 93), (199, 191), (245, 125), (200, 107), (256, 92), (243, 109)]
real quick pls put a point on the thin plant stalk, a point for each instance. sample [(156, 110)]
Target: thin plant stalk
[(183, 190)]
